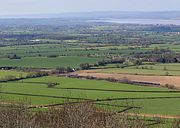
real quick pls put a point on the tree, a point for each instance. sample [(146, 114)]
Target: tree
[(102, 63), (61, 70), (69, 69), (14, 57), (164, 68), (51, 85), (167, 73), (137, 62), (36, 74), (85, 66)]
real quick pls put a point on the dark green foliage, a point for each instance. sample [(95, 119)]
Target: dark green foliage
[(36, 74), (14, 57), (137, 62), (85, 66), (52, 85)]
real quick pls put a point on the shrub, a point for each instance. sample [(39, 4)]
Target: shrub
[(69, 69), (170, 86), (137, 62), (164, 68), (14, 57), (85, 66), (51, 85), (52, 56), (36, 74), (102, 63), (166, 73), (125, 80), (90, 77), (61, 70), (110, 79)]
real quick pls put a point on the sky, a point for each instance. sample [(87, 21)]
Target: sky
[(14, 7)]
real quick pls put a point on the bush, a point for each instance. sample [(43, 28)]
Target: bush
[(14, 57), (85, 66), (165, 69), (167, 74), (137, 62), (102, 63), (52, 56), (61, 70), (125, 80), (36, 74), (90, 77), (51, 85), (170, 86), (69, 69), (110, 79)]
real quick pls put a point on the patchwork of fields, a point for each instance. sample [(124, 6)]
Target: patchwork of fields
[(150, 100), (162, 80), (141, 61)]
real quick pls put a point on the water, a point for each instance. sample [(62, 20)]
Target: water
[(142, 21)]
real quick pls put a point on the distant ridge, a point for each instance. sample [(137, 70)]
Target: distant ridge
[(108, 14)]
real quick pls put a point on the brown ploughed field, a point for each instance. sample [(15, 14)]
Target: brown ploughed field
[(171, 80)]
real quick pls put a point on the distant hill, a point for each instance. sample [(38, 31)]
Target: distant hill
[(114, 14)]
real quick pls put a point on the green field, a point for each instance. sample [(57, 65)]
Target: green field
[(157, 69), (36, 45), (46, 62), (5, 73), (153, 100), (173, 47), (67, 49)]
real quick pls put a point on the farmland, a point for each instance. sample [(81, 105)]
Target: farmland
[(4, 73), (118, 67), (44, 62), (156, 69), (95, 90)]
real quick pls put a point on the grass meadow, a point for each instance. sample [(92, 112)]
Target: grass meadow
[(172, 69), (117, 96), (47, 62)]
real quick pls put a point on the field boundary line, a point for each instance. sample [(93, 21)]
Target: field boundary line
[(92, 89), (153, 115)]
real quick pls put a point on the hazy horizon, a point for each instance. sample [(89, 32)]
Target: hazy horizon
[(26, 7)]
